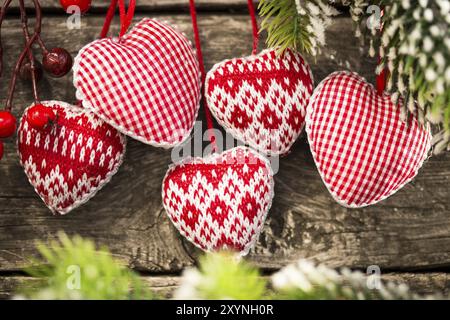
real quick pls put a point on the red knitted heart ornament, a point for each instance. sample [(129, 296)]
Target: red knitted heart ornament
[(221, 201), (146, 83), (261, 99), (362, 149), (70, 161)]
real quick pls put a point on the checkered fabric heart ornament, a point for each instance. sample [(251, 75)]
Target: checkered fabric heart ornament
[(70, 161), (221, 201), (261, 99), (362, 148), (146, 84)]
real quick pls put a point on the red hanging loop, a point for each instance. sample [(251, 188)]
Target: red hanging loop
[(381, 78), (126, 16), (209, 120), (251, 9), (108, 19)]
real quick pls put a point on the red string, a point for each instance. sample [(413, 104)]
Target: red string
[(251, 9), (381, 78), (126, 16), (209, 120), (108, 19)]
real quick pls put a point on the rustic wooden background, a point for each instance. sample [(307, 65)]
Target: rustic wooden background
[(408, 235)]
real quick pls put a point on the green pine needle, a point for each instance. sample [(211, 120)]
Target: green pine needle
[(72, 268)]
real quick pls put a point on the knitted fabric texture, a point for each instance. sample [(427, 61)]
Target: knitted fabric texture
[(146, 84), (362, 149), (221, 201), (73, 159), (261, 99)]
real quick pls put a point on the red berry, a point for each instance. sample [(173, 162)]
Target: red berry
[(25, 71), (57, 62), (40, 117), (84, 5), (7, 124), (1, 150)]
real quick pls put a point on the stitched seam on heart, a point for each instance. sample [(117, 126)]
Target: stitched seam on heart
[(308, 128), (88, 105), (190, 160), (236, 133), (91, 193)]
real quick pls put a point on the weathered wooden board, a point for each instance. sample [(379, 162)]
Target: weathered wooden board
[(147, 5), (411, 230), (164, 286)]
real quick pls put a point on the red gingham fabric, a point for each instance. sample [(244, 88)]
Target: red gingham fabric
[(261, 99), (221, 201), (363, 150), (73, 159), (146, 84)]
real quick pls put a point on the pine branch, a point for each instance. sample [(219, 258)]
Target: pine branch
[(296, 24), (415, 48)]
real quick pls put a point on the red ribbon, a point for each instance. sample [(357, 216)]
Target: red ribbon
[(126, 16), (209, 120), (251, 9), (381, 78)]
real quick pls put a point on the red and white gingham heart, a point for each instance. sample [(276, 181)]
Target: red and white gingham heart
[(362, 148), (261, 99), (221, 201), (145, 84), (69, 162)]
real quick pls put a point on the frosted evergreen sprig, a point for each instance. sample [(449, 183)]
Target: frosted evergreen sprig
[(296, 24), (306, 280), (73, 269), (414, 46), (221, 276)]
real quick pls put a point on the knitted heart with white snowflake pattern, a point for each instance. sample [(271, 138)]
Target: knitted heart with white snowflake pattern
[(70, 161), (362, 148), (221, 201), (146, 84), (261, 99)]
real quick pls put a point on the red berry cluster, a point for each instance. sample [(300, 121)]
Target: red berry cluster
[(57, 62)]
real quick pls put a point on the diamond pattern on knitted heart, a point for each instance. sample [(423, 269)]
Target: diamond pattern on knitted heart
[(261, 99), (145, 84), (69, 162), (362, 149), (221, 201)]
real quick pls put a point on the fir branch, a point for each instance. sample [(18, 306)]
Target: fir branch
[(101, 277), (296, 24), (415, 48)]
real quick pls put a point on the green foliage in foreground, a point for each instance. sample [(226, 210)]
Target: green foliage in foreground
[(73, 268)]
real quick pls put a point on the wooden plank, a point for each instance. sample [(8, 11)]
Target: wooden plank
[(409, 230), (164, 286), (147, 5)]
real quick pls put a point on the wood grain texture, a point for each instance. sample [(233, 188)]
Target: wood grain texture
[(411, 230), (146, 5), (164, 286)]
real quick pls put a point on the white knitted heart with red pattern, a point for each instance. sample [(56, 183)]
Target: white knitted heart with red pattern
[(221, 201), (363, 150), (73, 159), (146, 84), (261, 99)]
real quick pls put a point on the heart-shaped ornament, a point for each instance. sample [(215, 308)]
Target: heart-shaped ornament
[(70, 161), (261, 99), (146, 84), (221, 201), (363, 150)]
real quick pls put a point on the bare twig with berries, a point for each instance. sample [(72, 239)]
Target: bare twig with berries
[(57, 62)]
